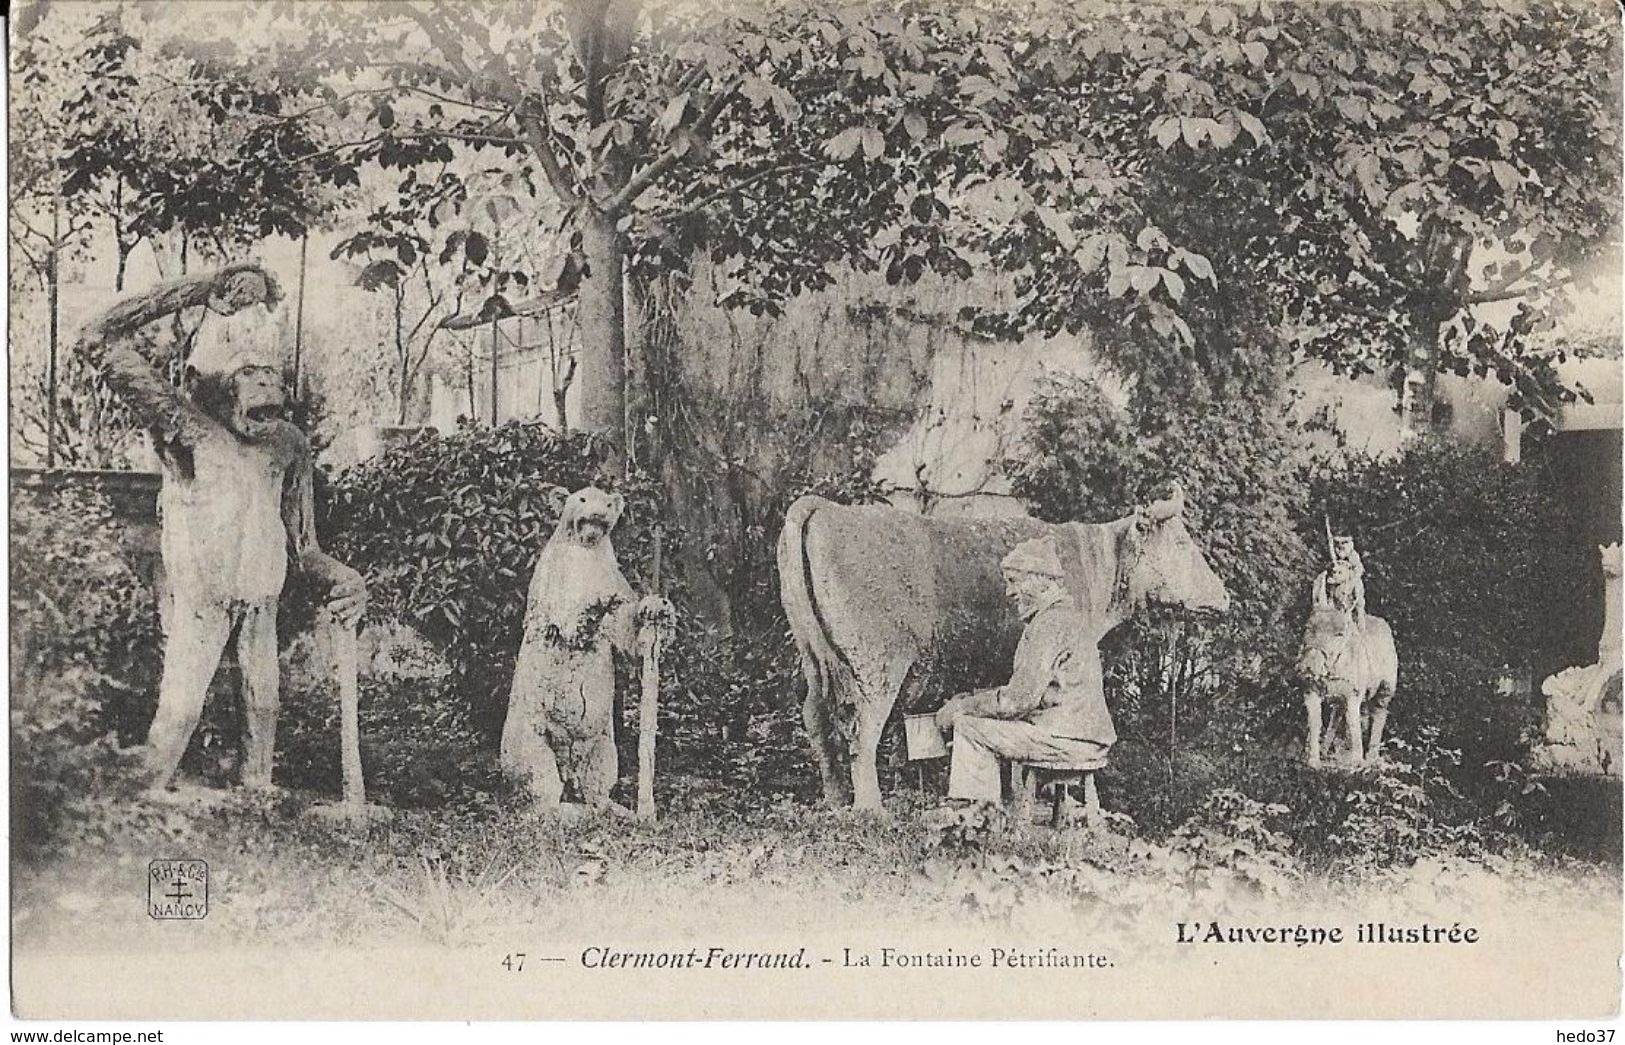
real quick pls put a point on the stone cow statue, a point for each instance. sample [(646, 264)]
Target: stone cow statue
[(885, 605), (1348, 659)]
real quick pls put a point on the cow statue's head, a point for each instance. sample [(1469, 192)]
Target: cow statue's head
[(1164, 565)]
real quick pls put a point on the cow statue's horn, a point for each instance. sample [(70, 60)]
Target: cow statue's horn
[(1168, 507)]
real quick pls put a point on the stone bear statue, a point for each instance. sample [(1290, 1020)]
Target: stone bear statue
[(560, 729)]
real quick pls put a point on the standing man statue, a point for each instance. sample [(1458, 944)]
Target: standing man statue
[(1053, 709), (236, 503)]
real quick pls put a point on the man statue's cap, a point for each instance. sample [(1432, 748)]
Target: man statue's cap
[(1035, 556), (227, 344)]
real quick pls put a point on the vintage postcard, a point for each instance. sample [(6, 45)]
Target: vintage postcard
[(979, 509)]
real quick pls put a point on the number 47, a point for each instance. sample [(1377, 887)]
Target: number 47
[(514, 963)]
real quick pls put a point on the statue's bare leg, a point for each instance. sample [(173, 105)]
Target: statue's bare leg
[(1311, 704), (197, 634), (257, 659)]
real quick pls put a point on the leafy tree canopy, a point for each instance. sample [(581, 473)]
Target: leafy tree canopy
[(1208, 183)]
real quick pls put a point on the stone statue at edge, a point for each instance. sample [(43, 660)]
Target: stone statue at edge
[(1583, 703)]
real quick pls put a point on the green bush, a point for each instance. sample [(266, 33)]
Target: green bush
[(85, 656), (730, 720), (78, 605)]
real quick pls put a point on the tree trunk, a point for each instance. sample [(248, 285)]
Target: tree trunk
[(495, 418), (403, 391), (1444, 279), (601, 311), (298, 319), (1421, 378), (51, 283)]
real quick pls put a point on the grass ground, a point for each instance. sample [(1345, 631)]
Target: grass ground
[(281, 876)]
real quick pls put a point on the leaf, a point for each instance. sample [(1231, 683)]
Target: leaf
[(1192, 130), (1090, 253), (1165, 129), (675, 111), (1175, 285), (1196, 264), (874, 143), (1355, 110), (1366, 170), (1058, 225), (475, 248), (915, 125), (1252, 125), (963, 134), (844, 144), (1144, 278), (1507, 175), (385, 116), (380, 273)]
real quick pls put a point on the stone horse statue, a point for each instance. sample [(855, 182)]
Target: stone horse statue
[(1351, 658)]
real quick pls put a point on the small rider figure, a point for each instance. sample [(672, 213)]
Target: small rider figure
[(1345, 579)]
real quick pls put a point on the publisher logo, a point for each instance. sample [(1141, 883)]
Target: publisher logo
[(178, 889)]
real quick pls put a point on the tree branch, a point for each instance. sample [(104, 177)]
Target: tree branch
[(639, 183), (443, 40), (1506, 292), (741, 185), (536, 130)]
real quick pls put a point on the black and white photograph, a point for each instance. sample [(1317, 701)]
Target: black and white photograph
[(815, 509)]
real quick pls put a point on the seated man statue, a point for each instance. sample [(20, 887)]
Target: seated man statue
[(1053, 710)]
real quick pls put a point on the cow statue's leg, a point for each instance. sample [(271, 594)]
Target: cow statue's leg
[(818, 715), (1312, 704), (865, 774), (874, 704)]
